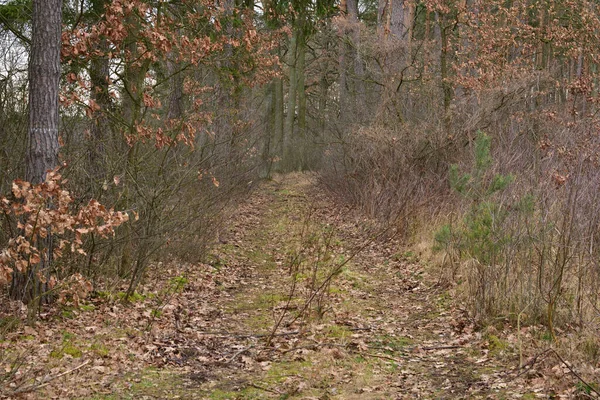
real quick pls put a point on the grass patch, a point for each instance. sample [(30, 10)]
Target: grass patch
[(100, 349), (496, 345), (68, 348), (391, 344), (87, 307), (337, 331), (134, 298)]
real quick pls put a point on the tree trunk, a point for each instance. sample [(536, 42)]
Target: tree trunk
[(301, 74), (269, 134), (99, 74), (359, 70), (345, 62), (279, 118), (44, 78), (288, 132), (133, 88), (444, 71)]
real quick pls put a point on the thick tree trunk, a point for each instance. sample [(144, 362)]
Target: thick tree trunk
[(175, 110), (44, 78)]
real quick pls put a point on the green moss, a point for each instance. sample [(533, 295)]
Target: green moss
[(156, 313), (358, 281), (100, 349), (67, 349), (337, 331), (87, 307), (134, 298), (496, 345), (177, 284), (280, 371), (444, 300), (336, 290), (262, 301), (104, 295), (247, 393), (391, 344)]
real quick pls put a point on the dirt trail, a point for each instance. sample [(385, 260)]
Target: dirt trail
[(386, 330), (380, 329)]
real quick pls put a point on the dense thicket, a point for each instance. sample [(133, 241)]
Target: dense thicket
[(476, 118)]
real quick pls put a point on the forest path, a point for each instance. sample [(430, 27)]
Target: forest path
[(382, 329), (356, 317)]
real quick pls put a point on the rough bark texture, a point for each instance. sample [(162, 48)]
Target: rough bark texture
[(42, 155), (44, 77)]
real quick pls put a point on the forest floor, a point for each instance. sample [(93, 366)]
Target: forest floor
[(354, 316)]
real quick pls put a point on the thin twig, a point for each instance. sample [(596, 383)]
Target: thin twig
[(254, 385), (47, 380), (587, 385), (246, 335), (238, 353), (442, 347), (531, 363)]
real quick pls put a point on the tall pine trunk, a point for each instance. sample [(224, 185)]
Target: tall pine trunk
[(43, 146), (288, 129)]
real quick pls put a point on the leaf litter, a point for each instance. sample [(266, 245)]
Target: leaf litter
[(381, 328)]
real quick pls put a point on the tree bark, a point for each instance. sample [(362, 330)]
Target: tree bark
[(301, 74), (43, 145), (44, 77), (288, 132), (279, 116)]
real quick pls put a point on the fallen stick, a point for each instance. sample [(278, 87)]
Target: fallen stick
[(47, 380), (238, 353), (441, 347), (246, 335), (587, 385)]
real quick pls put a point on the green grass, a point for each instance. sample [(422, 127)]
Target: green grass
[(100, 349), (68, 348)]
